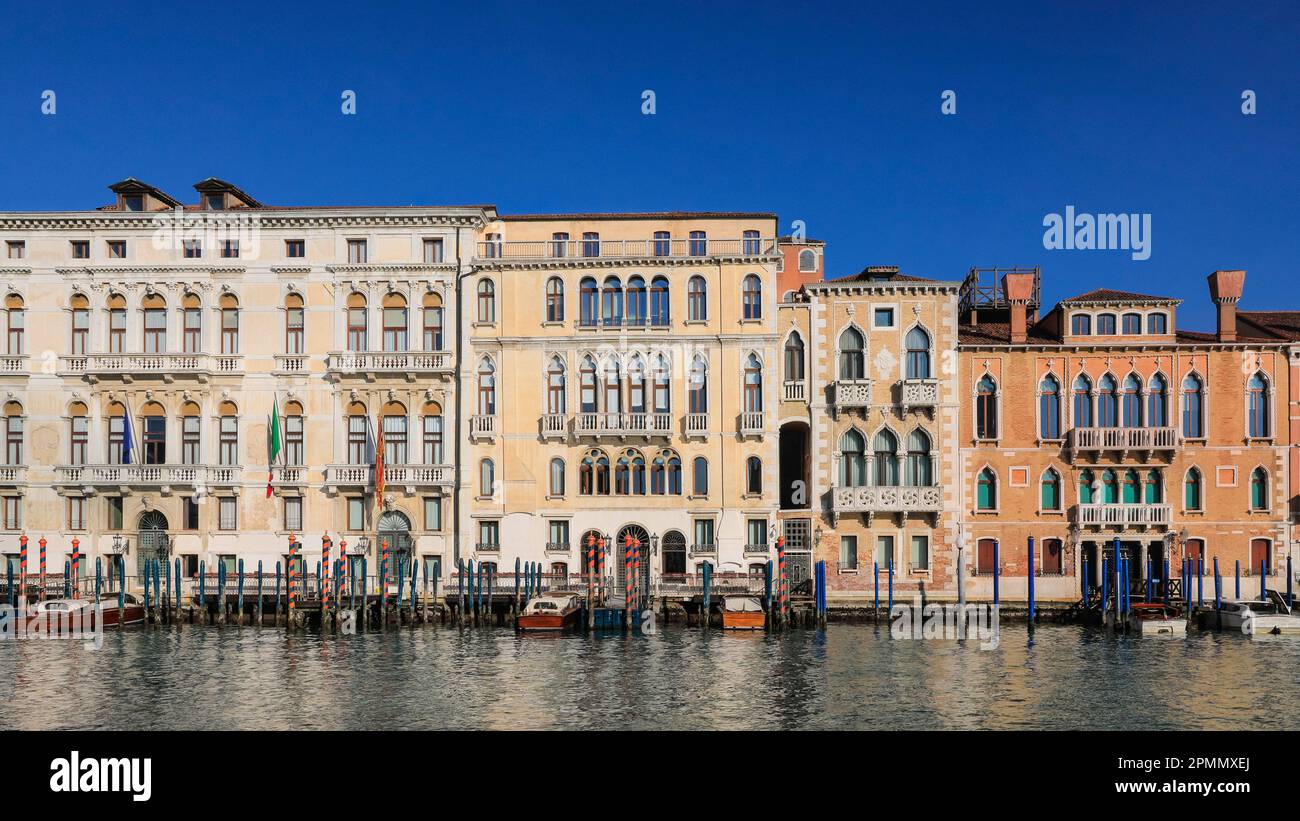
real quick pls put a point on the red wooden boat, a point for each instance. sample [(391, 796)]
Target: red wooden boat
[(742, 613), (84, 614), (554, 611)]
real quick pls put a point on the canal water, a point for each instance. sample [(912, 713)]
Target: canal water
[(850, 676)]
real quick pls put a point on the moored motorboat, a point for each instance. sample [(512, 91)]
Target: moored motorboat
[(86, 613), (554, 611), (1258, 617), (742, 613), (1157, 619)]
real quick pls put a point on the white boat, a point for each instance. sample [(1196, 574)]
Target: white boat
[(1256, 617), (1155, 619)]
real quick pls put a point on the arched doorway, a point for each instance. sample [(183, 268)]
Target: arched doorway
[(396, 529), (620, 551), (151, 539), (674, 550), (795, 466)]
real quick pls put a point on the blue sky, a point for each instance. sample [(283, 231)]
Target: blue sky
[(830, 115)]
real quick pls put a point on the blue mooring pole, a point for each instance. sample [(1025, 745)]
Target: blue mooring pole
[(1218, 589), (891, 584), (1083, 583), (1236, 576), (997, 573), (178, 586), (767, 586), (1263, 572), (1200, 581), (221, 588), (240, 600), (203, 583), (1031, 579), (97, 571), (67, 579), (876, 571), (1105, 587), (1150, 580), (707, 568)]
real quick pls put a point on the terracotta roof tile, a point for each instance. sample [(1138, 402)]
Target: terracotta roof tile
[(1110, 295)]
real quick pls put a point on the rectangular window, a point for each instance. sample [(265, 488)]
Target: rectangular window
[(14, 440), (704, 533), (489, 534), (884, 551), (293, 440), (193, 339), (133, 202), (155, 330), (80, 331), (191, 514), (76, 513), (13, 512), (662, 244), (115, 517), (215, 202), (432, 514), (17, 327), (81, 249), (757, 536), (356, 513), (295, 248), (228, 441), (1131, 324), (17, 249), (230, 330), (293, 330), (154, 434), (190, 440), (117, 249), (227, 507), (558, 534), (356, 329), (920, 552), (883, 318), (79, 447), (293, 513), (357, 441), (192, 249), (190, 565), (848, 552), (230, 249), (357, 252), (432, 251), (117, 330), (699, 244)]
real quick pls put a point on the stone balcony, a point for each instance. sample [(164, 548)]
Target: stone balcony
[(852, 393), (869, 500), (167, 367), (372, 365), (410, 479), (1095, 441), (165, 479), (482, 427), (13, 475), (622, 425), (1123, 516), (920, 394), (796, 391), (13, 364), (751, 423)]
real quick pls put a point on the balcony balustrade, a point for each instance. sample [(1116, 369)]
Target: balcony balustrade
[(704, 550), (557, 547), (919, 393), (554, 426), (757, 549), (871, 500), (13, 364), (623, 424), (580, 249), (487, 547), (13, 475), (482, 427), (592, 323), (371, 365), (289, 364), (1098, 440), (408, 476), (697, 425), (165, 366), (853, 393), (751, 423), (796, 391), (1123, 516), (163, 478)]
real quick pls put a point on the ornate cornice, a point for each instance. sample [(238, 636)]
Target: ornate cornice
[(179, 270), (394, 268), (267, 219), (490, 264)]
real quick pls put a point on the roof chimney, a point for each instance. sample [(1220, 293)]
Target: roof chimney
[(1019, 291), (1225, 290)]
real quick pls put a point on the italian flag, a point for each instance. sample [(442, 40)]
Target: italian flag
[(273, 444)]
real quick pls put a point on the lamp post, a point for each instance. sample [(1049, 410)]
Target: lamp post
[(119, 561)]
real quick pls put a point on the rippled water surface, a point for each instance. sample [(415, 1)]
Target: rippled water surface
[(847, 677)]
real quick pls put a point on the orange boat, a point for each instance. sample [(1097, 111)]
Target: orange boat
[(742, 613), (554, 611)]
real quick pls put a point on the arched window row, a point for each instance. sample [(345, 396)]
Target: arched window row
[(631, 473), (887, 463), (1121, 323)]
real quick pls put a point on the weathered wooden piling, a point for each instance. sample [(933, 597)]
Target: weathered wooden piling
[(365, 617), (1165, 581), (1200, 581), (997, 577), (221, 593), (1290, 601), (706, 604), (203, 594), (240, 600)]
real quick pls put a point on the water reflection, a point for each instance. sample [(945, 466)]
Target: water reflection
[(850, 676)]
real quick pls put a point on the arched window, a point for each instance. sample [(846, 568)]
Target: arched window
[(986, 491), (155, 324), (636, 385), (1107, 402), (588, 302), (853, 459), (395, 323), (613, 388), (80, 306), (700, 476), (852, 359), (1132, 489), (14, 420), (636, 301), (356, 319), (554, 300), (1081, 324), (487, 301), (229, 324), (1193, 408), (611, 302), (358, 435), (555, 386), (1132, 405), (753, 384), (660, 310), (16, 317), (432, 323), (1157, 323), (1257, 414), (697, 304), (393, 428), (587, 385), (191, 324), (1049, 409), (754, 476), (698, 391), (807, 261), (917, 472), (794, 358), (78, 434), (1158, 402), (1131, 324), (1087, 491), (1082, 402), (752, 297), (431, 429), (1258, 489), (918, 354), (662, 385), (487, 387), (1155, 488), (1109, 487), (486, 477), (228, 434), (986, 408), (153, 434), (674, 474), (1192, 490), (117, 434), (623, 473), (1050, 497), (1105, 324), (293, 324), (116, 323), (885, 446)]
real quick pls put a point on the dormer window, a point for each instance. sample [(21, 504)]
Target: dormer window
[(1132, 324), (133, 202), (1157, 323), (1105, 324), (1081, 324), (214, 202)]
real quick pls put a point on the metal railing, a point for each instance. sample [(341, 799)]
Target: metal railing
[(588, 323)]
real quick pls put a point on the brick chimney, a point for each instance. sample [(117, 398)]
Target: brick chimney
[(1225, 290), (1018, 290)]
